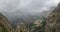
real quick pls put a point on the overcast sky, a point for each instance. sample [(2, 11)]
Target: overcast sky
[(27, 5)]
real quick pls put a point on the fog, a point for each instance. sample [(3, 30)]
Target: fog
[(13, 9), (29, 6)]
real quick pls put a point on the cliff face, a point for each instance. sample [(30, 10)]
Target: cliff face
[(4, 24), (53, 20)]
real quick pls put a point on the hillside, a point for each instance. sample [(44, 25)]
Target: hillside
[(4, 24), (53, 20)]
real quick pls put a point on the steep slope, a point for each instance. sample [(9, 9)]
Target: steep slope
[(53, 20), (4, 24)]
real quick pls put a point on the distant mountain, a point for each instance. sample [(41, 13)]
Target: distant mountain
[(44, 13), (15, 17)]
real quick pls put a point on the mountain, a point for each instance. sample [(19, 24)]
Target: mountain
[(53, 20), (4, 24), (16, 17)]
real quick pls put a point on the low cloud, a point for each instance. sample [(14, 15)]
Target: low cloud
[(28, 6)]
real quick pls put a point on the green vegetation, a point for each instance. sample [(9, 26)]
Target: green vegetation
[(3, 29)]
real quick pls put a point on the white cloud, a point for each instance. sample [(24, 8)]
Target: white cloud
[(25, 2), (27, 5)]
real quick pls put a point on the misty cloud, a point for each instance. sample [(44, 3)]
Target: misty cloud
[(27, 5)]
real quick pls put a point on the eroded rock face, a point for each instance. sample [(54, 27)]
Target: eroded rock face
[(4, 24), (53, 20)]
